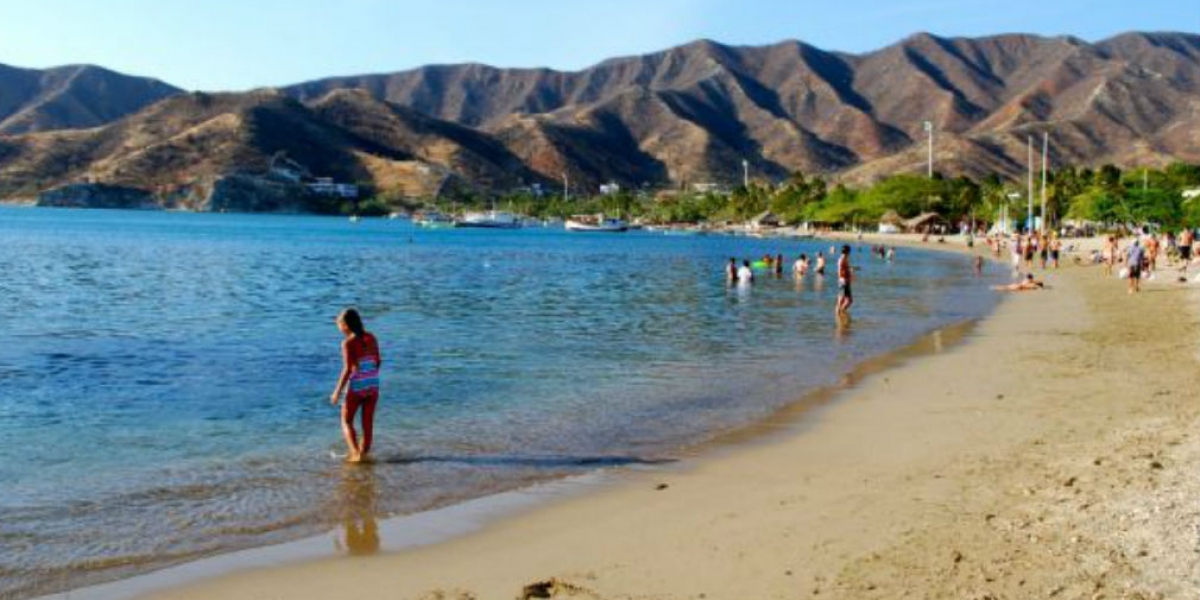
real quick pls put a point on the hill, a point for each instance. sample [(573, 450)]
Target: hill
[(692, 113), (71, 97), (689, 114)]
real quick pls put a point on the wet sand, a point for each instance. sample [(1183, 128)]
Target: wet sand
[(1051, 454)]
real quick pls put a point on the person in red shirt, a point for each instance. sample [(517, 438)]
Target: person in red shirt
[(359, 381)]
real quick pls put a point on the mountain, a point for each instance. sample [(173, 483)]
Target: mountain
[(689, 114), (223, 151), (692, 113), (71, 97)]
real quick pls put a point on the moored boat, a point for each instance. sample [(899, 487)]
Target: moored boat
[(492, 219), (596, 224), (432, 219)]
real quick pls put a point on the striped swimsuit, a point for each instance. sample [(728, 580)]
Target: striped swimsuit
[(364, 355)]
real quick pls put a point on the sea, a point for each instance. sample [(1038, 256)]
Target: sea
[(165, 377)]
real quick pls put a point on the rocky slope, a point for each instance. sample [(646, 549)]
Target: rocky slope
[(71, 97), (693, 112), (689, 114)]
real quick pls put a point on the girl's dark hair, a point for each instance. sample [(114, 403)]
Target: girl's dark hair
[(352, 320)]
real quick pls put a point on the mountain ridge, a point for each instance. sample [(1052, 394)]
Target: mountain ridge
[(72, 97), (687, 114)]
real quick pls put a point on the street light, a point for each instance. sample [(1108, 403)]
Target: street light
[(929, 130)]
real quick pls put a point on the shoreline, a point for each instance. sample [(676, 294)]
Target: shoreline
[(503, 555), (438, 526), (407, 532)]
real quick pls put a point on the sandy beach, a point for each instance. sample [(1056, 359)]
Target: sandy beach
[(1050, 453)]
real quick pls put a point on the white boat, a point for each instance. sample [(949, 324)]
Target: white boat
[(492, 219), (432, 219), (596, 224)]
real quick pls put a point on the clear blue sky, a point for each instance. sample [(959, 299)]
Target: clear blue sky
[(240, 44)]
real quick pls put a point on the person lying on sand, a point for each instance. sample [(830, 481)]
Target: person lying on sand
[(1029, 284)]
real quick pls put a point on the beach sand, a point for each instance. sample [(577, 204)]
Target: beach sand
[(1051, 453)]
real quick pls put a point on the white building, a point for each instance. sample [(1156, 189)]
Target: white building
[(325, 186), (1191, 194), (610, 189)]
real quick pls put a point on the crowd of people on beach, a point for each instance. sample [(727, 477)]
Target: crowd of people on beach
[(1135, 257), (1139, 260)]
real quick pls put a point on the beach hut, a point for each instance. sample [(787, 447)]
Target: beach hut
[(764, 220), (925, 223), (891, 222)]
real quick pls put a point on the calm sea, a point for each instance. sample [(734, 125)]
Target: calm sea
[(164, 377)]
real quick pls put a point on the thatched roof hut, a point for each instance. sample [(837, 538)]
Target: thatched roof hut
[(765, 219), (924, 222)]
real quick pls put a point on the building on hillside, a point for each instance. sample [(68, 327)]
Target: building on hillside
[(1191, 194), (610, 189), (708, 188), (326, 186), (286, 169)]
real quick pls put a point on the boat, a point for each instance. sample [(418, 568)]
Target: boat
[(432, 219), (492, 219), (596, 224)]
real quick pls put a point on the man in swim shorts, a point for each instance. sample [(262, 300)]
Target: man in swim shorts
[(1133, 259), (845, 276)]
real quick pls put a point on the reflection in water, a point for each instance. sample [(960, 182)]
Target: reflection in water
[(843, 328), (356, 496)]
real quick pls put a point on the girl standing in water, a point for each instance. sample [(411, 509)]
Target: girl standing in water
[(360, 382)]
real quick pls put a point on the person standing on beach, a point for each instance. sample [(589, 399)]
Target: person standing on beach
[(1110, 254), (1029, 248), (845, 277), (1133, 258), (1055, 250), (1186, 238), (1151, 253), (1017, 250), (359, 381)]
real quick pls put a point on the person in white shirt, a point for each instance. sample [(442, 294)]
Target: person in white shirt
[(745, 273)]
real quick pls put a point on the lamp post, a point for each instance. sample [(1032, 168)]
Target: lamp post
[(1029, 215), (1045, 159), (929, 130)]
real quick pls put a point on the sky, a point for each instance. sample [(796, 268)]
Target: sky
[(218, 45)]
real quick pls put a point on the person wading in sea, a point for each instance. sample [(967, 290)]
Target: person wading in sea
[(845, 274), (360, 382)]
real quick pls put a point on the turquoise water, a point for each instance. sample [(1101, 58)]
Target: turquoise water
[(164, 377)]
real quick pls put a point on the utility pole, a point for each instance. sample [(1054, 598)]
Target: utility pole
[(1045, 154), (1029, 215), (929, 130), (745, 174)]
